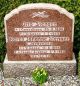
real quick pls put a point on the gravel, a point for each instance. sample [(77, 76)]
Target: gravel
[(28, 81), (63, 81), (52, 81)]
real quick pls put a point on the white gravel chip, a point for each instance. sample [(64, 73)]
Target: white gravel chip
[(52, 81)]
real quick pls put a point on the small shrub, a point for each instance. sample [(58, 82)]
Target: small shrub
[(40, 75)]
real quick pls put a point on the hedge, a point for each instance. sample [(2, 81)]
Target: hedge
[(72, 6)]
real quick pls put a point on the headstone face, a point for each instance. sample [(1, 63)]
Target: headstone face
[(39, 32)]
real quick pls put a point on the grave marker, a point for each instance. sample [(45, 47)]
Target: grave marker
[(39, 32), (39, 35)]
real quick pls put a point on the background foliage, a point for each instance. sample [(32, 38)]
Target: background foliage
[(71, 5)]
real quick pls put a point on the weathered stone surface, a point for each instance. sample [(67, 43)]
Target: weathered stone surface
[(24, 68)]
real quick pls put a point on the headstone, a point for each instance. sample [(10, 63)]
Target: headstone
[(39, 32), (36, 33)]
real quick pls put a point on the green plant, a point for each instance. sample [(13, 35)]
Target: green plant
[(40, 76), (20, 83), (79, 53)]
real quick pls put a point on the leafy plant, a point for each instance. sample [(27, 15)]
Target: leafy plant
[(40, 76)]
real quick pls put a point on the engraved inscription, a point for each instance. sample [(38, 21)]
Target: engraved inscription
[(39, 39)]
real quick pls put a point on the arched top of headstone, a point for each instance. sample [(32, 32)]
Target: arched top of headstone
[(39, 6)]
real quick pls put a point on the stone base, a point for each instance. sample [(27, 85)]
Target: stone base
[(15, 69)]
